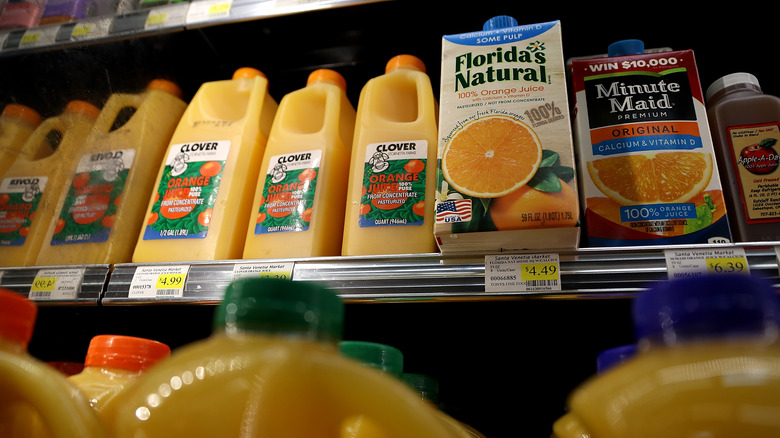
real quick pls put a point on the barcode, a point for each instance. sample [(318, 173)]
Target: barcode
[(166, 292), (537, 283), (39, 294)]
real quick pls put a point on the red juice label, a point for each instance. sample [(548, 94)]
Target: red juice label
[(288, 192), (19, 198)]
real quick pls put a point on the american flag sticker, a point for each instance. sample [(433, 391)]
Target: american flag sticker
[(453, 211)]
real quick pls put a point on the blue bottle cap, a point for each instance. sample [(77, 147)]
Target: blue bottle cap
[(613, 356), (499, 22), (626, 47)]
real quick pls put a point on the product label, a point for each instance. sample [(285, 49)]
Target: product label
[(187, 192), (288, 193), (394, 184), (754, 154), (93, 197), (19, 198)]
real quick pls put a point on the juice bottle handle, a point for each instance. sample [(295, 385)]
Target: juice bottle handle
[(37, 145), (113, 106)]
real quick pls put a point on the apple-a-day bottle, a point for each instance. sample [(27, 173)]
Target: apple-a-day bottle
[(745, 125)]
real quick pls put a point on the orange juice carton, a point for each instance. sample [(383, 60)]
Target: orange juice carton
[(17, 122), (506, 158), (648, 174)]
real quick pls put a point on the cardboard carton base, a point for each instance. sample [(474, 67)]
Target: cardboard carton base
[(483, 242)]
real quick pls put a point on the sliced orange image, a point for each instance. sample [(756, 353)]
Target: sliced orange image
[(664, 177), (491, 156)]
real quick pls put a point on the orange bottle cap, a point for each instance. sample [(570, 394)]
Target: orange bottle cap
[(405, 61), (83, 107), (22, 112), (125, 352), (17, 317), (247, 73), (327, 75), (165, 85)]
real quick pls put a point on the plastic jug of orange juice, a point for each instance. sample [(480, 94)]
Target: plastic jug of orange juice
[(392, 177), (271, 368), (17, 123), (201, 199), (109, 186), (706, 365), (31, 188), (299, 202), (428, 389), (35, 398), (112, 363)]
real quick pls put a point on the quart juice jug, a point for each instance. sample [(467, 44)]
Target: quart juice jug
[(706, 365), (112, 363), (299, 201), (101, 215), (201, 199), (31, 188), (35, 399), (17, 123), (392, 176), (271, 368)]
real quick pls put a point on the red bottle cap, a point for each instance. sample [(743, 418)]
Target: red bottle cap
[(17, 317), (125, 352)]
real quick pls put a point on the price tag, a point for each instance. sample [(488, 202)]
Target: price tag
[(522, 273), (689, 263), (158, 281), (83, 29), (38, 36), (201, 11), (56, 284), (263, 270), (166, 16)]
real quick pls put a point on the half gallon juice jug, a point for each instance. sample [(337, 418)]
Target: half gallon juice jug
[(31, 188), (706, 365), (112, 363), (102, 211), (393, 167), (271, 368), (17, 123), (35, 399), (201, 199), (299, 201)]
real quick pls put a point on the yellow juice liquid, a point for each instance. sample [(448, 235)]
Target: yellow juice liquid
[(392, 176), (31, 188), (17, 123), (201, 199), (99, 219), (298, 208)]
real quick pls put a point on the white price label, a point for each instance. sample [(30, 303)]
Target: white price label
[(206, 10), (56, 284), (263, 270), (522, 273), (158, 281), (166, 16), (691, 263)]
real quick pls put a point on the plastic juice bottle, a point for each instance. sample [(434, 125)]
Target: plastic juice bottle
[(745, 125), (392, 170), (31, 188), (112, 363), (34, 397), (299, 202), (201, 199), (647, 167), (17, 123), (428, 389), (20, 14), (271, 368), (706, 365), (113, 178)]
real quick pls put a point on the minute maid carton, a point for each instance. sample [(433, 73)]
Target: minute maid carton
[(506, 177)]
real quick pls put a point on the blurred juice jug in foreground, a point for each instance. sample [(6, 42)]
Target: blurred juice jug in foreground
[(706, 365), (102, 212), (201, 199), (299, 202), (112, 363), (34, 397), (31, 188), (393, 166), (17, 123), (271, 368)]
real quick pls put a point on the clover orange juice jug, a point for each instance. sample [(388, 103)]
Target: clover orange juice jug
[(201, 199), (647, 168), (17, 123), (31, 188), (392, 169), (299, 202), (99, 218), (271, 368), (112, 363), (706, 365), (36, 399), (506, 155)]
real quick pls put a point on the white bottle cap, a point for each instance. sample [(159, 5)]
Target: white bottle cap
[(729, 80)]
